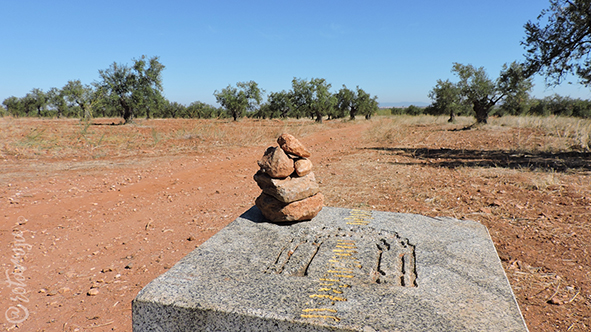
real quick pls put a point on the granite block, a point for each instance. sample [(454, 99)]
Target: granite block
[(345, 270)]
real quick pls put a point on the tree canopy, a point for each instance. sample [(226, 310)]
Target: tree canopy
[(246, 96), (130, 88), (312, 97), (446, 98), (477, 89), (559, 42)]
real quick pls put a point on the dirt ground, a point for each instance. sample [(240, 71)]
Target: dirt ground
[(92, 213)]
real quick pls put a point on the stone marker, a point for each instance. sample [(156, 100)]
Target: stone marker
[(345, 270), (290, 191)]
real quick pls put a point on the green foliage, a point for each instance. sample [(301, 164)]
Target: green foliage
[(14, 106), (83, 96), (246, 96), (279, 104), (131, 89), (410, 110), (312, 98), (56, 99), (446, 99), (201, 110), (37, 100), (561, 106), (559, 43), (477, 89), (345, 99), (365, 104)]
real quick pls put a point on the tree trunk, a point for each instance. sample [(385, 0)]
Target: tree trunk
[(452, 116), (352, 113), (481, 109), (318, 117), (127, 112)]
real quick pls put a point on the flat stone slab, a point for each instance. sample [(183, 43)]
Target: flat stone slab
[(345, 270)]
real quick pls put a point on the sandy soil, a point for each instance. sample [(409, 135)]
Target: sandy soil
[(92, 229)]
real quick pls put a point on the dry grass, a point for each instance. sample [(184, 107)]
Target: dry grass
[(71, 138), (569, 133)]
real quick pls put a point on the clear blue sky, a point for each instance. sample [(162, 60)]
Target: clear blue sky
[(393, 49)]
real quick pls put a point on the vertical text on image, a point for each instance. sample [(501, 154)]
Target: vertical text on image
[(15, 279)]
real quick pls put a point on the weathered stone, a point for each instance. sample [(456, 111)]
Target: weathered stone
[(291, 145), (276, 163), (277, 211), (290, 189), (303, 166), (388, 272)]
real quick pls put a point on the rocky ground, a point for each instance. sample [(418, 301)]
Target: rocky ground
[(92, 213)]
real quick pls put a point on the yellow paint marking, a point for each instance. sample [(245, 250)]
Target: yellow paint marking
[(318, 309), (344, 276), (326, 279), (330, 290), (346, 247), (324, 284), (344, 255), (336, 319), (325, 296)]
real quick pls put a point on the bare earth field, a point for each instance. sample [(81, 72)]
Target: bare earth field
[(91, 213)]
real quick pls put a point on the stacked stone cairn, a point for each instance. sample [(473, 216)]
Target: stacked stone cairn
[(290, 192)]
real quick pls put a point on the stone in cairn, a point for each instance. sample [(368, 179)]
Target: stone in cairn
[(290, 191)]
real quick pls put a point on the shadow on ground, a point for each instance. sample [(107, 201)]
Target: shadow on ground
[(452, 158)]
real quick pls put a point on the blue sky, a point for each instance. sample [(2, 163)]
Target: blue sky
[(393, 49)]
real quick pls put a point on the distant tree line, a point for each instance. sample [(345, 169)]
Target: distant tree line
[(551, 105), (136, 91)]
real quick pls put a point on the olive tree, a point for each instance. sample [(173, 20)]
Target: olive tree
[(446, 99), (365, 104), (476, 88), (81, 95), (345, 98), (36, 99), (313, 97), (279, 104), (14, 106), (132, 88), (559, 42), (246, 96), (56, 98)]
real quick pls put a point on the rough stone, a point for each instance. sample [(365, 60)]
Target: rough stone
[(276, 163), (405, 272), (290, 189), (292, 145), (303, 166), (276, 211)]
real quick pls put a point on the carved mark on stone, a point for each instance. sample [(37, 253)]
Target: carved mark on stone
[(379, 257)]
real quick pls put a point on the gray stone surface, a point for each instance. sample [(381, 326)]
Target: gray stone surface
[(345, 270)]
